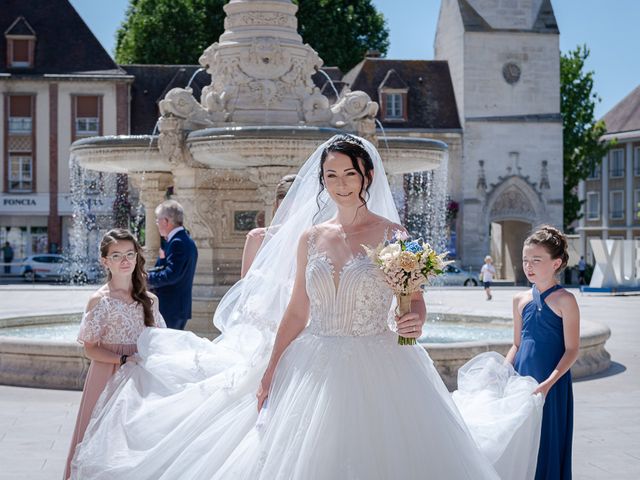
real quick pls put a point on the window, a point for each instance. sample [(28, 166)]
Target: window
[(636, 205), (87, 115), (20, 125), (393, 106), (20, 116), (20, 53), (20, 41), (87, 126), (20, 173), (616, 209), (19, 141), (595, 172), (593, 205), (636, 161), (616, 163)]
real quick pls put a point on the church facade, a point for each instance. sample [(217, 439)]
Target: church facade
[(504, 59)]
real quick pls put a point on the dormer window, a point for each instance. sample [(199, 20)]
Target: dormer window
[(393, 93), (21, 42), (393, 106)]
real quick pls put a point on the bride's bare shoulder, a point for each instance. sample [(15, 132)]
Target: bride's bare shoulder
[(391, 227), (325, 228)]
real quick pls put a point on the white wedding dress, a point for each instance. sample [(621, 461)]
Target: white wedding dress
[(346, 401)]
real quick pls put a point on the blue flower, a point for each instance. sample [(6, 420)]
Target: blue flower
[(413, 247)]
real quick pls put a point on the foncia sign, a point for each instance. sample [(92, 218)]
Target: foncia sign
[(617, 263), (11, 204), (38, 204)]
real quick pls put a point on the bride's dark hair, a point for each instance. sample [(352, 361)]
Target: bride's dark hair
[(353, 148)]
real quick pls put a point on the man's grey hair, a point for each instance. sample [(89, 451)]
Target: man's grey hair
[(172, 211)]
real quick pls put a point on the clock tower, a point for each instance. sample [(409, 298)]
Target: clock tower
[(504, 59)]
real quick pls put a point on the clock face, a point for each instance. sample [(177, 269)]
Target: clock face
[(511, 72)]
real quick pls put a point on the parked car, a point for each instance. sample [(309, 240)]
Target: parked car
[(52, 266), (456, 275)]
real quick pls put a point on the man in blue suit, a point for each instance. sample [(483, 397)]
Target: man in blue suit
[(172, 279)]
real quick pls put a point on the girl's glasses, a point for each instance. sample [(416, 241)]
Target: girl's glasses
[(118, 257)]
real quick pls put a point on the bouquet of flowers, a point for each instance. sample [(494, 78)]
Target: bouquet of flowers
[(407, 265)]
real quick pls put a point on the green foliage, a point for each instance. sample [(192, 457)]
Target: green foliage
[(168, 31), (178, 31), (582, 148), (342, 31)]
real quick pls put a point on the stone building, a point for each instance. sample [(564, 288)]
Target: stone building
[(611, 193), (54, 89), (504, 59)]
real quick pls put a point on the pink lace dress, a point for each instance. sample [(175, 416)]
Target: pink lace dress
[(114, 325)]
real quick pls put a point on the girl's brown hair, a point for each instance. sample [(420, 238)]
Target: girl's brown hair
[(139, 276), (553, 241)]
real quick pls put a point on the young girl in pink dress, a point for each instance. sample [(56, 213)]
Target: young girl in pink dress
[(114, 318)]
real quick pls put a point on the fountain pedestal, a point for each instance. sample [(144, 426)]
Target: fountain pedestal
[(153, 188), (259, 119)]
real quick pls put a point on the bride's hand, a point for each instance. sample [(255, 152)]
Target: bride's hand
[(263, 390), (409, 325)]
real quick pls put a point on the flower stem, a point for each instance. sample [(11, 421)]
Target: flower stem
[(404, 306)]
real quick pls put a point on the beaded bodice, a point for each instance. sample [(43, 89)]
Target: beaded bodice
[(354, 301)]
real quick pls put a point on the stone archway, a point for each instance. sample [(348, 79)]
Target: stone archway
[(514, 207)]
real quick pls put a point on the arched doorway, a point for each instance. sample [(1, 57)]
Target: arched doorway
[(514, 209), (507, 237)]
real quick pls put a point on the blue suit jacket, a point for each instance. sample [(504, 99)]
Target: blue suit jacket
[(172, 280)]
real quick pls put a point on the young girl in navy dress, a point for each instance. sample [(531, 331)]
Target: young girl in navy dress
[(546, 322)]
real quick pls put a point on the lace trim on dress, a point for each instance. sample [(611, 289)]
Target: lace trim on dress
[(115, 321)]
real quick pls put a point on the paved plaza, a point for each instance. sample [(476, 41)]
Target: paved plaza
[(36, 424)]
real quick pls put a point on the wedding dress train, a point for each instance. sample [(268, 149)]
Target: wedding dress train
[(346, 401)]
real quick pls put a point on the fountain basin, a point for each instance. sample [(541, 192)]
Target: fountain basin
[(121, 154), (52, 358), (449, 357), (285, 146), (42, 363), (243, 147)]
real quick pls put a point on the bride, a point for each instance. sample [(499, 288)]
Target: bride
[(307, 332)]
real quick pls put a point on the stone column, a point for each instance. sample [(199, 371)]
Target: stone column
[(582, 195), (194, 189), (153, 187), (629, 190), (605, 197)]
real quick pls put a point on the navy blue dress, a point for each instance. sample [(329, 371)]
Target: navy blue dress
[(541, 347)]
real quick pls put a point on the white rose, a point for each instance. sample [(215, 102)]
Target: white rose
[(390, 252)]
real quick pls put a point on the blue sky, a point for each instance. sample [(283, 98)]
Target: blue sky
[(608, 27)]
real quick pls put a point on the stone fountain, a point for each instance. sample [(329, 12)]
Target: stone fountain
[(259, 119)]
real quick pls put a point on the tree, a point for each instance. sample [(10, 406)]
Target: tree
[(582, 148), (168, 31), (178, 31), (342, 31)]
